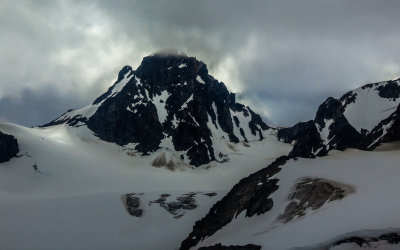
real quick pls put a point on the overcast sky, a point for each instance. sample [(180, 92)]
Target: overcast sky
[(283, 57)]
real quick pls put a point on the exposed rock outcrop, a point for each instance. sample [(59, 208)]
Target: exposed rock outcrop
[(360, 242), (312, 193), (179, 205), (132, 204), (8, 147), (305, 138)]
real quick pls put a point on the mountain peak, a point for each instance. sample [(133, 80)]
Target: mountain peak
[(362, 118), (168, 58), (171, 64), (170, 102)]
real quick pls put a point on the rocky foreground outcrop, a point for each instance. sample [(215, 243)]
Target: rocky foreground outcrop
[(390, 240), (250, 195), (8, 147)]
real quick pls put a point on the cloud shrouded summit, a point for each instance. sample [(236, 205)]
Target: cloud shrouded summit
[(283, 58)]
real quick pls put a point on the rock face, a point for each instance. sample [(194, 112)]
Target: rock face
[(312, 193), (329, 130), (387, 130), (168, 161), (360, 119), (305, 137), (8, 147), (132, 203), (177, 207), (169, 100), (251, 195)]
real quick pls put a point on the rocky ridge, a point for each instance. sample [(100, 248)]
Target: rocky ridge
[(331, 128), (250, 195)]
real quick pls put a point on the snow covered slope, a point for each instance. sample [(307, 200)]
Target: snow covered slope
[(360, 201), (74, 199), (170, 100)]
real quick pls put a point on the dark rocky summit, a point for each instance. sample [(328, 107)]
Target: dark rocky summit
[(8, 147), (390, 90), (169, 97)]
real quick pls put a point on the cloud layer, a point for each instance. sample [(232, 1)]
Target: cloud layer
[(283, 57)]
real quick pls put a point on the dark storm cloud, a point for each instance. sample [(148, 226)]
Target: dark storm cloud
[(283, 57), (23, 109)]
